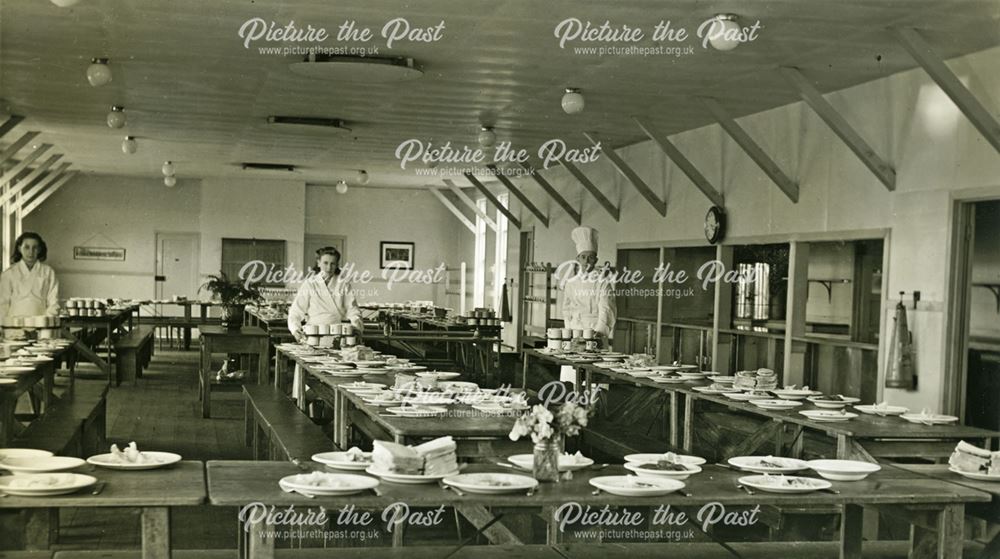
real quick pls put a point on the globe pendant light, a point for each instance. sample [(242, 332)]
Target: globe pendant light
[(116, 118), (572, 101), (65, 3), (487, 137), (168, 169), (98, 73), (341, 187), (170, 181), (362, 177), (129, 145), (724, 32)]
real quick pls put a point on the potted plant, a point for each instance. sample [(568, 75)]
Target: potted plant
[(234, 296)]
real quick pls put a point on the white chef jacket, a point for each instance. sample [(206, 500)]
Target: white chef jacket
[(25, 292), (589, 304), (320, 303)]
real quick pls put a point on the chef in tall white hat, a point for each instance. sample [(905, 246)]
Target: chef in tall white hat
[(588, 301)]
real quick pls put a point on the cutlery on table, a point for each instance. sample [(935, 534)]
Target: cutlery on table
[(512, 466), (683, 493), (595, 492), (376, 491), (98, 488), (449, 487), (830, 490), (726, 466), (598, 466), (745, 488)]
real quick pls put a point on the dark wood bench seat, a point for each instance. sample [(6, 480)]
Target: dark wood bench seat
[(277, 429), (133, 352), (76, 424)]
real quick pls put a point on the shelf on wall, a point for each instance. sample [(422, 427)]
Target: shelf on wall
[(993, 287)]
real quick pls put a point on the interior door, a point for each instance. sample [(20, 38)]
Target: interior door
[(177, 265), (315, 242)]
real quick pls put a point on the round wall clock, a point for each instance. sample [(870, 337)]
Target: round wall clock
[(715, 224)]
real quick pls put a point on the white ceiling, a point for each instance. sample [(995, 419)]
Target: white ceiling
[(193, 94)]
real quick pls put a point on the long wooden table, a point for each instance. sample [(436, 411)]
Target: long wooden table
[(104, 328), (864, 438), (476, 434), (934, 509), (153, 491), (44, 373), (216, 339)]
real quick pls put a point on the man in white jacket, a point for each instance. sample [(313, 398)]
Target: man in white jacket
[(588, 301), (324, 298)]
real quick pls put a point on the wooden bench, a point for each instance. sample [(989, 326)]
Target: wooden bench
[(76, 424), (277, 430), (137, 554), (133, 352)]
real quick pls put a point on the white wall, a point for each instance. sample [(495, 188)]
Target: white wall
[(368, 216), (933, 148)]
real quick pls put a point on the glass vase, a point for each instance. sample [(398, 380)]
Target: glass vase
[(546, 460)]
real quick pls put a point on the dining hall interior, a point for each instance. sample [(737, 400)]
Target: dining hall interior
[(510, 279)]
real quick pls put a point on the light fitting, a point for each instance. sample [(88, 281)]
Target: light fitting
[(129, 145), (361, 177), (724, 32), (357, 69), (487, 137), (170, 181), (168, 169), (250, 166), (572, 101), (98, 73), (65, 3), (341, 187), (334, 124), (116, 118)]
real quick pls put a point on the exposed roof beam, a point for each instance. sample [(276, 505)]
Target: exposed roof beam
[(554, 194), (932, 63), (519, 195), (27, 180), (45, 195), (841, 127), (681, 161), (471, 204), (594, 191), (23, 164), (49, 179), (752, 149), (453, 209), (9, 124), (623, 168), (493, 199), (16, 146)]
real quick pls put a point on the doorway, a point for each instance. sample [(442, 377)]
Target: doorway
[(177, 257), (312, 243)]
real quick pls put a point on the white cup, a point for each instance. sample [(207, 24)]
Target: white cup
[(553, 333), (336, 329), (311, 329), (350, 341), (567, 333), (313, 340), (577, 333), (588, 333), (323, 329), (347, 330), (554, 344)]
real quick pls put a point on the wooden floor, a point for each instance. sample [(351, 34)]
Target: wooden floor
[(162, 412)]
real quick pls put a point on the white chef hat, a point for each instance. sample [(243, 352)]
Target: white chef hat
[(585, 239)]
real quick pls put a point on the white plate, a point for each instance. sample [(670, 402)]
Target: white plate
[(843, 470), (334, 484), (781, 465), (340, 460), (23, 453), (794, 394), (642, 472), (691, 376), (5, 370), (152, 461), (974, 475), (490, 483), (635, 486), (40, 464), (668, 380), (929, 419), (418, 411), (439, 376), (740, 396), (409, 479), (828, 416), (360, 386), (347, 373), (870, 409), (458, 386), (652, 457), (499, 409), (428, 400), (710, 390), (382, 402), (776, 404), (61, 484), (567, 462), (4, 381), (779, 484), (832, 404)]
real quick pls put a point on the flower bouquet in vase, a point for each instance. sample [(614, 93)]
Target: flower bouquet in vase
[(549, 428)]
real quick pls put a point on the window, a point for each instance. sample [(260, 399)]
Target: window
[(500, 255), (237, 252), (752, 295), (499, 268)]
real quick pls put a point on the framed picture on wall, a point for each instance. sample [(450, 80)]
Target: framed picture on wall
[(98, 253), (393, 254)]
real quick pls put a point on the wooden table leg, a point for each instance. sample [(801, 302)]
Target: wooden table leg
[(155, 533), (524, 370), (263, 363), (206, 379), (674, 417), (688, 422), (945, 541), (851, 528), (187, 327), (259, 543), (300, 387)]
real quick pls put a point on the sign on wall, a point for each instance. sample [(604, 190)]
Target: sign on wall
[(98, 253)]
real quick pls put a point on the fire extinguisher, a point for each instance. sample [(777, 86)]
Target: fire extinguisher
[(899, 368)]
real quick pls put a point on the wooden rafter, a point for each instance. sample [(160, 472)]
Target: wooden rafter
[(15, 147), (493, 199), (519, 195), (9, 124), (681, 161), (23, 164), (453, 209), (633, 177), (931, 62), (48, 179), (471, 204), (752, 149), (45, 195), (841, 127), (594, 191), (554, 194), (24, 183)]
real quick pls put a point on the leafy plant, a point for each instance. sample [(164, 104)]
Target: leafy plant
[(231, 292)]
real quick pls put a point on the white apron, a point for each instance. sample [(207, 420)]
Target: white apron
[(587, 305), (25, 292)]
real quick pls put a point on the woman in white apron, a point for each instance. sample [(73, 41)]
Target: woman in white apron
[(29, 287), (587, 303), (324, 298)]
